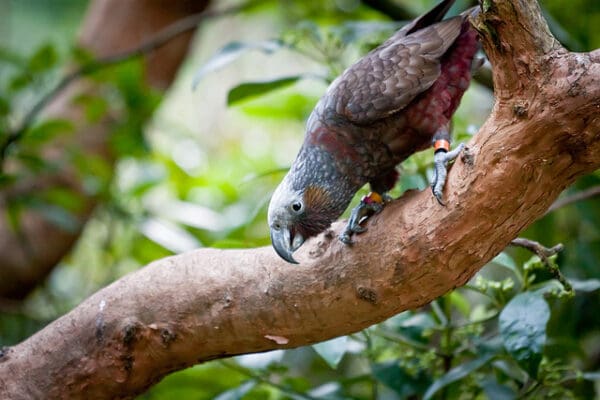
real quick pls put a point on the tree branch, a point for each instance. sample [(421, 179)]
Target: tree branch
[(544, 253), (574, 198), (110, 27), (210, 303)]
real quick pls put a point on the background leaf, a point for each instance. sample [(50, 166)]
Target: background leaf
[(232, 51), (456, 374), (332, 350), (43, 59), (395, 377), (587, 286), (238, 392), (523, 329), (496, 391), (247, 90)]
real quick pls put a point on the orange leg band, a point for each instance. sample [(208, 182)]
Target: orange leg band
[(372, 197), (441, 144)]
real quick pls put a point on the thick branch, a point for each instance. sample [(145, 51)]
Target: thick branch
[(516, 56), (209, 304)]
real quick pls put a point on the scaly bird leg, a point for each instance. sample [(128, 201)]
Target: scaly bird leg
[(440, 161), (369, 205)]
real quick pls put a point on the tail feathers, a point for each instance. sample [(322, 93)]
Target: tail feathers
[(434, 15), (437, 38), (471, 12)]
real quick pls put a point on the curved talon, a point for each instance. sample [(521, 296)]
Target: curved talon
[(371, 204), (345, 238), (438, 197), (358, 229)]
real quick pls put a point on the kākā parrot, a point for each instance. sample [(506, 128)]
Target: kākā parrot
[(393, 102)]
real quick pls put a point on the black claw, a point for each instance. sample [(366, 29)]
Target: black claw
[(358, 229), (345, 238), (438, 197)]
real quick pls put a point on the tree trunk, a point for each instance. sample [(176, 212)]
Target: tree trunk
[(110, 27), (543, 133)]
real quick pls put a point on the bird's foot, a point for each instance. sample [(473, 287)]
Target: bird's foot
[(440, 161), (369, 205)]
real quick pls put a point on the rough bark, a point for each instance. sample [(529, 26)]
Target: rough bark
[(543, 133), (110, 27)]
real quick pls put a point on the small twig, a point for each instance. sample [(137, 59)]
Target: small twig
[(155, 42), (538, 249), (544, 253), (567, 200)]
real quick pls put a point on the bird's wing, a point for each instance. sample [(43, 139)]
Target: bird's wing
[(392, 75)]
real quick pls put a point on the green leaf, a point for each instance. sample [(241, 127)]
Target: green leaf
[(587, 286), (413, 325), (396, 378), (412, 181), (506, 261), (204, 381), (232, 51), (510, 368), (332, 350), (19, 82), (34, 162), (43, 59), (245, 91), (591, 376), (49, 129), (523, 329), (496, 391), (7, 180), (460, 302), (4, 107), (65, 198), (281, 105), (238, 392), (95, 106), (457, 373), (14, 210), (81, 55)]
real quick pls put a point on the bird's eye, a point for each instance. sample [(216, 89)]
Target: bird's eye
[(297, 206)]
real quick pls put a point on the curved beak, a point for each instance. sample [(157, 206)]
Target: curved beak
[(285, 243)]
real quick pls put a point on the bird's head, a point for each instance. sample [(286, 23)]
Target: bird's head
[(297, 214)]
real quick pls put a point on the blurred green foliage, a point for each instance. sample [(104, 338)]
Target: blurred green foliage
[(511, 332)]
